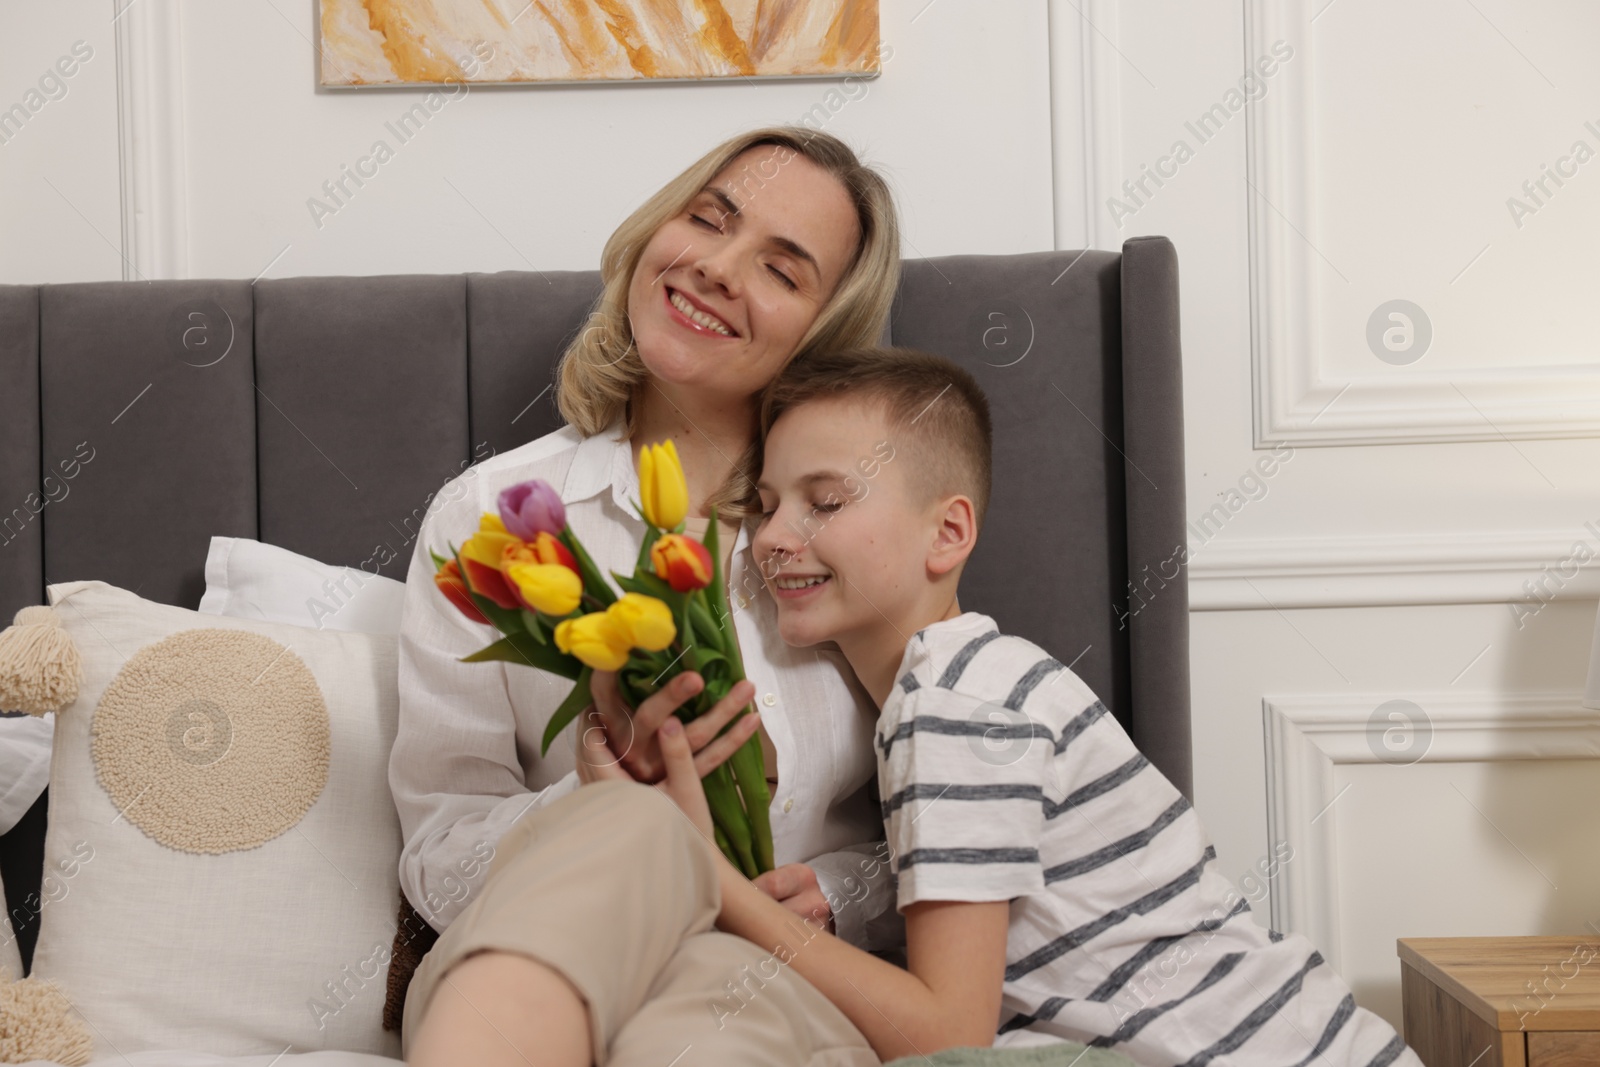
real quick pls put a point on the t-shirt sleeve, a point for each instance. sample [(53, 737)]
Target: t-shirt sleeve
[(961, 781)]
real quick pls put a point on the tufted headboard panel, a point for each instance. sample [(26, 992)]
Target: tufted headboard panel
[(139, 419)]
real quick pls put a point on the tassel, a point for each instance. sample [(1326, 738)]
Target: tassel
[(36, 1024), (39, 665)]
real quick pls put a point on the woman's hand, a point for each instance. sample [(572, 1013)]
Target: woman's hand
[(614, 742)]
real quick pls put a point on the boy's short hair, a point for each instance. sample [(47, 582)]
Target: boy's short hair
[(932, 405)]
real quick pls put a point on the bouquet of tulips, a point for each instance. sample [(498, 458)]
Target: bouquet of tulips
[(526, 573)]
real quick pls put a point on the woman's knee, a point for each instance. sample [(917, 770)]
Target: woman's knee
[(525, 1004), (643, 810)]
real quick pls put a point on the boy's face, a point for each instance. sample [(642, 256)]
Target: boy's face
[(844, 539)]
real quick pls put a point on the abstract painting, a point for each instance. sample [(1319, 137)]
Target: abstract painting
[(410, 42)]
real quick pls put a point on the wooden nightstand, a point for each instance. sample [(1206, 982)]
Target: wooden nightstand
[(1502, 1001)]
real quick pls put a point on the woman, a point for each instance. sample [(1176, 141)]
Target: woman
[(774, 242)]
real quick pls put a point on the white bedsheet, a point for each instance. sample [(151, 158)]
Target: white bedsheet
[(204, 1059)]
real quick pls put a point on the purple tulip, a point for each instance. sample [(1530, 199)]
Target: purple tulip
[(530, 508)]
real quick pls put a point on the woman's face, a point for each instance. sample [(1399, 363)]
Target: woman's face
[(725, 290)]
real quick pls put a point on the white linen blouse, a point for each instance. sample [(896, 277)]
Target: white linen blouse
[(465, 763)]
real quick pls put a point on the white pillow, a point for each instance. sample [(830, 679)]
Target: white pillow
[(10, 954), (246, 579), (251, 951)]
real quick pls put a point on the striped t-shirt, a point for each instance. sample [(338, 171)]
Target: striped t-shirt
[(1003, 777)]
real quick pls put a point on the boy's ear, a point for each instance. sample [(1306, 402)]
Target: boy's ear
[(955, 538)]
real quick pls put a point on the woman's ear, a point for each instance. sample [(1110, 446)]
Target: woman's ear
[(955, 537)]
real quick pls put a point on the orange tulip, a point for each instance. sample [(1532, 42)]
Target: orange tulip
[(542, 549), (681, 562)]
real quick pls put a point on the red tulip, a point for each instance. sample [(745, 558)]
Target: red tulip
[(480, 558), (448, 579), (682, 562)]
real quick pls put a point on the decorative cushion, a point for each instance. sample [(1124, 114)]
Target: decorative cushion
[(246, 579), (36, 1020), (222, 785)]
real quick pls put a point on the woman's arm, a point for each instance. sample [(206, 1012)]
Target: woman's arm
[(955, 950)]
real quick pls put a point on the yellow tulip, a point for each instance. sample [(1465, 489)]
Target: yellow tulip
[(488, 542), (547, 587), (481, 556), (663, 492), (646, 621), (595, 639)]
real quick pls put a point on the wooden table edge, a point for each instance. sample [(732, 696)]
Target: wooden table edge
[(1507, 1021)]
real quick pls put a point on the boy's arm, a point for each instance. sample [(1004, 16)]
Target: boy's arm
[(949, 997)]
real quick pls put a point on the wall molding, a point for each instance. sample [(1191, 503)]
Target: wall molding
[(1382, 570), (1295, 401), (1102, 120), (1308, 737), (150, 136)]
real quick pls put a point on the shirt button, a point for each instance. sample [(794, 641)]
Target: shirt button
[(769, 700), (788, 805)]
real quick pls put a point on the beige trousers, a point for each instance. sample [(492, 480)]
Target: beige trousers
[(612, 887)]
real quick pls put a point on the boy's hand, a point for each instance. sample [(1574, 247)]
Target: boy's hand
[(682, 782), (794, 885)]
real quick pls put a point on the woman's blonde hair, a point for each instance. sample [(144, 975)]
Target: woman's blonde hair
[(601, 372)]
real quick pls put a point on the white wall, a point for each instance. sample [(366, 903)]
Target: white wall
[(225, 107), (1384, 560), (59, 190)]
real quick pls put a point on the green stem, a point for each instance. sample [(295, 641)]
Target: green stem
[(594, 583), (722, 798), (750, 772), (748, 764)]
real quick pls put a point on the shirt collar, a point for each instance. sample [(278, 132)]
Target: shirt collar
[(601, 461)]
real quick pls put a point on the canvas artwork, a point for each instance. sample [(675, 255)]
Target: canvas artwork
[(409, 42)]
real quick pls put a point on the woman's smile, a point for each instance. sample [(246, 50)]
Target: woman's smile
[(688, 312)]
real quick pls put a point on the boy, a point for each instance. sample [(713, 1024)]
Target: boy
[(1055, 886)]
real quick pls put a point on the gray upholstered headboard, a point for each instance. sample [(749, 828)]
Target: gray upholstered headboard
[(320, 413)]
